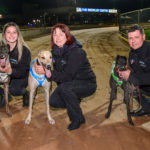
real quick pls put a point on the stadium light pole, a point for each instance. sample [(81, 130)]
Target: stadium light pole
[(45, 13), (75, 2)]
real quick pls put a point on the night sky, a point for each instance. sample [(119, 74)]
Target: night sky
[(15, 6)]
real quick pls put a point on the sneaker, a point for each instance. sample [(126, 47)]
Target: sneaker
[(140, 112), (26, 99)]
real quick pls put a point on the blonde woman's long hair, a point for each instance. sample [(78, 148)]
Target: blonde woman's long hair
[(20, 40)]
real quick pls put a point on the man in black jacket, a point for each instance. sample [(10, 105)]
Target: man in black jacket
[(139, 61)]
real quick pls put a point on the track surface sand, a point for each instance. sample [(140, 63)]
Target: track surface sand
[(102, 45)]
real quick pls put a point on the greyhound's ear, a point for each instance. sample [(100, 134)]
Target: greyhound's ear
[(2, 43), (117, 56), (39, 52)]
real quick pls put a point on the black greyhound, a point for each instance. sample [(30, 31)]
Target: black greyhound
[(115, 81), (4, 77)]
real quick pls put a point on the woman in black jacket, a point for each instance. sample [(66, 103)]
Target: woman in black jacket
[(72, 73), (20, 58)]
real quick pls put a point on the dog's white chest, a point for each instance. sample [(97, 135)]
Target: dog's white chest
[(3, 77)]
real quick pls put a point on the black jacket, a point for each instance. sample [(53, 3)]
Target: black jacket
[(71, 63), (20, 70), (139, 61)]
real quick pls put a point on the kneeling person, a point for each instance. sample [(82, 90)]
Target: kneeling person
[(19, 65), (139, 61), (73, 74)]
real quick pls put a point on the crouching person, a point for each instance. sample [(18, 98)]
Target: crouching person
[(73, 74), (139, 61), (18, 67)]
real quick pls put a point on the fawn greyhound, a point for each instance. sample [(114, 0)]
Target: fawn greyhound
[(44, 59)]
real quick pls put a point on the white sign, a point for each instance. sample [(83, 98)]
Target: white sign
[(78, 9)]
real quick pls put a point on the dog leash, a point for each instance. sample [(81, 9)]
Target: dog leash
[(114, 76)]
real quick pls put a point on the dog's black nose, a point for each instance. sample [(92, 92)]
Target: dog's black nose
[(122, 68), (48, 67)]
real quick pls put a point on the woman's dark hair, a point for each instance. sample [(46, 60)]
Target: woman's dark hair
[(64, 28)]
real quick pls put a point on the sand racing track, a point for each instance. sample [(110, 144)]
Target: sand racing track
[(102, 45)]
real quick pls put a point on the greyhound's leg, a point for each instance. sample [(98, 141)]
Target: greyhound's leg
[(127, 102), (6, 87), (47, 90), (32, 92), (113, 96)]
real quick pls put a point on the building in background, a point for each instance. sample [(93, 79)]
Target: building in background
[(37, 13)]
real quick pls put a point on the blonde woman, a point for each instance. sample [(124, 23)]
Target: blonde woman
[(18, 68)]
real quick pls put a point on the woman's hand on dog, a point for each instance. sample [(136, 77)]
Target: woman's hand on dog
[(40, 70), (124, 74), (7, 69)]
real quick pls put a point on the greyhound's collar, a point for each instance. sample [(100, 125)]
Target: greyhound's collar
[(3, 77), (114, 76), (39, 79)]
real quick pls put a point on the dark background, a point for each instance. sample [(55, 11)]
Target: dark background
[(15, 6)]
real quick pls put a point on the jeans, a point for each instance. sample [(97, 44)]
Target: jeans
[(68, 95)]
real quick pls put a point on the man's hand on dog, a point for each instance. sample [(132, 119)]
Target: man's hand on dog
[(6, 69), (124, 74), (40, 70)]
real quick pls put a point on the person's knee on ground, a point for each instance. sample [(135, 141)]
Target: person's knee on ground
[(2, 99), (55, 100), (21, 92)]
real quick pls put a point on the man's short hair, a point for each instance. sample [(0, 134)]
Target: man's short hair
[(136, 27)]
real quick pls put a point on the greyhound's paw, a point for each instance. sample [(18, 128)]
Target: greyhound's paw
[(9, 114), (107, 115), (131, 122), (27, 121), (51, 121)]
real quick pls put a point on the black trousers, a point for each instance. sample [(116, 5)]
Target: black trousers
[(68, 95), (17, 87), (145, 100)]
